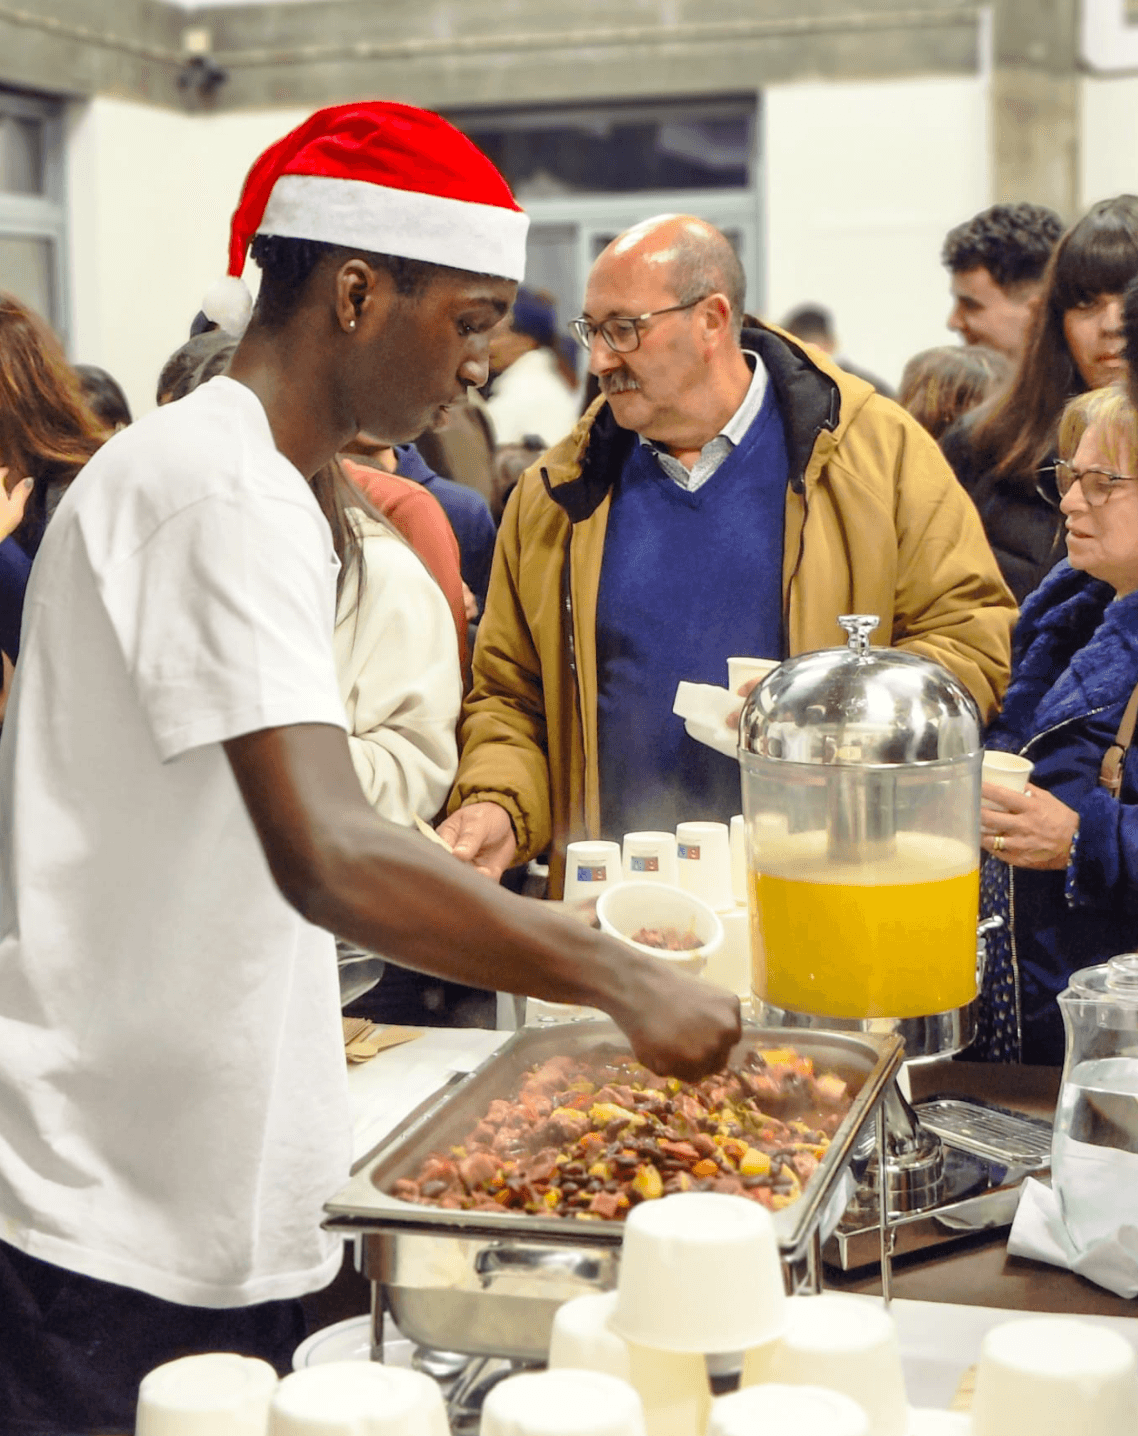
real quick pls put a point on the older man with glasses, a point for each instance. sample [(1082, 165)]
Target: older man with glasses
[(729, 493)]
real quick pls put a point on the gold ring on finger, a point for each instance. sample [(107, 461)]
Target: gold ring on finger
[(998, 843)]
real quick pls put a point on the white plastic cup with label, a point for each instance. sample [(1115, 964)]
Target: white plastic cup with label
[(590, 868), (650, 858), (703, 854)]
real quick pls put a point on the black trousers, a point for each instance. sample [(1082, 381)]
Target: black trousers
[(73, 1350)]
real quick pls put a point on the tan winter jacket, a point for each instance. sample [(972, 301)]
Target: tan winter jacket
[(875, 523)]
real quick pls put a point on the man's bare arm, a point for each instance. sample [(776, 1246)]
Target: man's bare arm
[(387, 889)]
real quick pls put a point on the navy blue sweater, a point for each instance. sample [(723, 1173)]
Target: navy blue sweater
[(1074, 667), (687, 581)]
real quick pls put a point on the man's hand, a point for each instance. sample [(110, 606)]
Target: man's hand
[(690, 1049), (1028, 830), (469, 603), (744, 692), (12, 502), (481, 834)]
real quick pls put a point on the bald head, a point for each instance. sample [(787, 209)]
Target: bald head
[(692, 257)]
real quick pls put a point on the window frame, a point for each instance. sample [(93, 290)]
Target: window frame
[(42, 216)]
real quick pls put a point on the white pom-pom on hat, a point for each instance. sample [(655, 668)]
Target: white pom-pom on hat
[(229, 304)]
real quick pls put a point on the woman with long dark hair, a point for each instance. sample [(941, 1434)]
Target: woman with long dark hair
[(47, 433), (1005, 450)]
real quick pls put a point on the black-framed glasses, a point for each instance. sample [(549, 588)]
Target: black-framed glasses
[(622, 334), (1097, 484)]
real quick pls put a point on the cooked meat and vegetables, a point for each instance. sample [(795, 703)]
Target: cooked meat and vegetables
[(591, 1137), (669, 939)]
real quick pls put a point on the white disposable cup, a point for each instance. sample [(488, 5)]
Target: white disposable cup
[(742, 670), (629, 907), (847, 1344), (650, 858), (730, 966), (357, 1398), (703, 853), (1007, 770), (739, 858), (566, 1402), (590, 868), (699, 1272), (803, 1410), (672, 1385), (1054, 1376), (216, 1393)]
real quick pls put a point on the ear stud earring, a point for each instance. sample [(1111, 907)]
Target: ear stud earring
[(351, 323)]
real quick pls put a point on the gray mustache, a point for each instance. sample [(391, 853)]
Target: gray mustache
[(618, 383)]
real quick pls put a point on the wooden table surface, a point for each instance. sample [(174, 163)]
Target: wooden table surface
[(982, 1273)]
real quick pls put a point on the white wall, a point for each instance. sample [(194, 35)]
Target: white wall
[(150, 196), (1109, 138), (863, 182)]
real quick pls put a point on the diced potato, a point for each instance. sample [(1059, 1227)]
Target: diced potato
[(706, 1168), (755, 1163), (602, 1170), (648, 1182)]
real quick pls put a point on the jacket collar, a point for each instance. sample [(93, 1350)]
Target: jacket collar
[(1076, 651), (580, 470)]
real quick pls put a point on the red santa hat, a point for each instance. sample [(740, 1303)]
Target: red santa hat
[(380, 177)]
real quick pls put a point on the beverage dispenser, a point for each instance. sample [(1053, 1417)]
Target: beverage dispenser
[(861, 795)]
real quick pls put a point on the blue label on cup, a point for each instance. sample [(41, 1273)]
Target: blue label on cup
[(592, 875), (644, 865), (688, 851)]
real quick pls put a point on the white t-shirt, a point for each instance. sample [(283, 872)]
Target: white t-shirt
[(173, 1099)]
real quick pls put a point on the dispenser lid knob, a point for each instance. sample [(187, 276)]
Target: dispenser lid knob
[(859, 626)]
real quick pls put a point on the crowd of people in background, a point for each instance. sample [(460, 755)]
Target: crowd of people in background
[(1038, 311)]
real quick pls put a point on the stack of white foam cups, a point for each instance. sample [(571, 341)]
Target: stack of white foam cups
[(699, 1275)]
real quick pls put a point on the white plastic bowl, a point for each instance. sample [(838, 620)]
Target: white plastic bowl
[(628, 907)]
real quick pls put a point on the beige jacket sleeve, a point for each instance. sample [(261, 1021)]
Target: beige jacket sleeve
[(502, 739)]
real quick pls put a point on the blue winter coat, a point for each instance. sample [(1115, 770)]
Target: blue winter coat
[(1074, 667)]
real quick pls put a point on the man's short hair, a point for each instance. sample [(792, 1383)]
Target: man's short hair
[(705, 264), (288, 264), (811, 323), (1013, 242)]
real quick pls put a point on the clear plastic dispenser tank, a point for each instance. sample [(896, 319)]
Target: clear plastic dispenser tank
[(861, 794)]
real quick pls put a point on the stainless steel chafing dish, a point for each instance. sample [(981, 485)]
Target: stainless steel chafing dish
[(488, 1285)]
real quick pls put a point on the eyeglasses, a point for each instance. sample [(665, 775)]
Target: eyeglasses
[(1097, 484), (622, 335)]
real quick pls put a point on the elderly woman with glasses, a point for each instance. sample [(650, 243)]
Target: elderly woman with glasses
[(1063, 870)]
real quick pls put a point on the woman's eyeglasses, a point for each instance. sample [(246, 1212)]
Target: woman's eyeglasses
[(1097, 484)]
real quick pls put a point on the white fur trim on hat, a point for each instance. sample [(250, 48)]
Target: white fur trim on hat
[(483, 238), (228, 303)]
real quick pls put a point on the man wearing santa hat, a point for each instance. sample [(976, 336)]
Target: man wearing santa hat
[(180, 822)]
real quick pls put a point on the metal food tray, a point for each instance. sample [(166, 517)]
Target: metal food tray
[(488, 1284), (866, 1061)]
